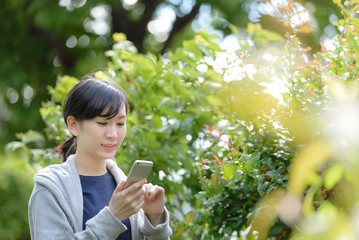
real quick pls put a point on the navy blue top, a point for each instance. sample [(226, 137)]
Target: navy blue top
[(97, 192)]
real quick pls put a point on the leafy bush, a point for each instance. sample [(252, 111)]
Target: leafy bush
[(235, 158), (250, 156), (168, 109), (15, 188), (234, 174)]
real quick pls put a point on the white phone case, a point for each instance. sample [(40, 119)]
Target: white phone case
[(139, 170)]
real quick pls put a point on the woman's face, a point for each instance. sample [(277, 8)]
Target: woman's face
[(100, 137)]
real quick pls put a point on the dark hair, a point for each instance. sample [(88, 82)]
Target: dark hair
[(87, 100)]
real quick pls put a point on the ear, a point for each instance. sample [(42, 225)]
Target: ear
[(72, 124)]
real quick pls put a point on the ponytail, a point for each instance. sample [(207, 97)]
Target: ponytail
[(67, 148)]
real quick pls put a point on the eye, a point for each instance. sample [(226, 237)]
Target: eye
[(102, 123), (120, 124)]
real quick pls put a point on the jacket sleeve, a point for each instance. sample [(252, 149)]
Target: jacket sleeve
[(160, 232), (48, 219)]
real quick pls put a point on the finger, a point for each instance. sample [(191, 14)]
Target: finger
[(140, 205), (139, 201), (120, 186), (134, 205), (148, 185), (136, 189), (139, 184), (147, 188), (155, 191)]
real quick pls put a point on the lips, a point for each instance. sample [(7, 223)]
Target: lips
[(109, 146)]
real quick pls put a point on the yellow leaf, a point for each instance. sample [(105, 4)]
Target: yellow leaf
[(189, 217), (214, 178), (215, 101), (253, 28), (200, 39), (179, 231), (118, 37), (264, 215), (333, 176), (305, 29), (307, 162), (101, 75)]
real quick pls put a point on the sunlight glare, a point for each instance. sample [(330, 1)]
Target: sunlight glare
[(163, 22), (272, 8), (344, 122), (130, 2), (276, 88), (230, 43), (289, 209)]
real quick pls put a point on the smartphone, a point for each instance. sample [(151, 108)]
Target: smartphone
[(139, 171)]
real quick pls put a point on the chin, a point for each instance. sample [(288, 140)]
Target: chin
[(109, 156)]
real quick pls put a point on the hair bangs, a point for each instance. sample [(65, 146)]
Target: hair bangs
[(106, 101), (113, 107), (92, 98)]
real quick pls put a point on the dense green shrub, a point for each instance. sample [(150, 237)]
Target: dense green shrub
[(168, 109), (232, 156), (15, 188), (254, 154)]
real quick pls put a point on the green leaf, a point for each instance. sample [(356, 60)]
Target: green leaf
[(31, 136), (177, 56), (273, 174), (248, 166), (65, 84), (214, 179), (144, 67), (262, 187), (264, 36), (333, 176), (12, 147), (229, 171), (227, 230), (234, 29), (215, 101), (255, 156), (189, 217), (253, 28), (308, 208), (157, 121)]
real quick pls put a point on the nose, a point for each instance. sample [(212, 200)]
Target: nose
[(111, 131)]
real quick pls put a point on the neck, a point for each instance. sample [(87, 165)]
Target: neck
[(90, 167)]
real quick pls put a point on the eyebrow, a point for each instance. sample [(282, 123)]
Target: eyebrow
[(119, 117)]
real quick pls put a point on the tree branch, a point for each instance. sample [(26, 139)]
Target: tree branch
[(135, 31), (66, 57), (120, 21), (179, 24), (141, 31)]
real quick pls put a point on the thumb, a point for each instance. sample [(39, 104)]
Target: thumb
[(120, 186)]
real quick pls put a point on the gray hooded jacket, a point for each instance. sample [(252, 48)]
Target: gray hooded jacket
[(56, 209)]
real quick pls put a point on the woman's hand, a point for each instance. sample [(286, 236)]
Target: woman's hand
[(154, 203), (125, 203)]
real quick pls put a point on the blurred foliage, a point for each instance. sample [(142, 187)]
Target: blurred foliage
[(70, 38), (322, 197), (15, 188), (248, 154), (244, 143)]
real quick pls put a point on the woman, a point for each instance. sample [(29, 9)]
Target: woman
[(83, 198)]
